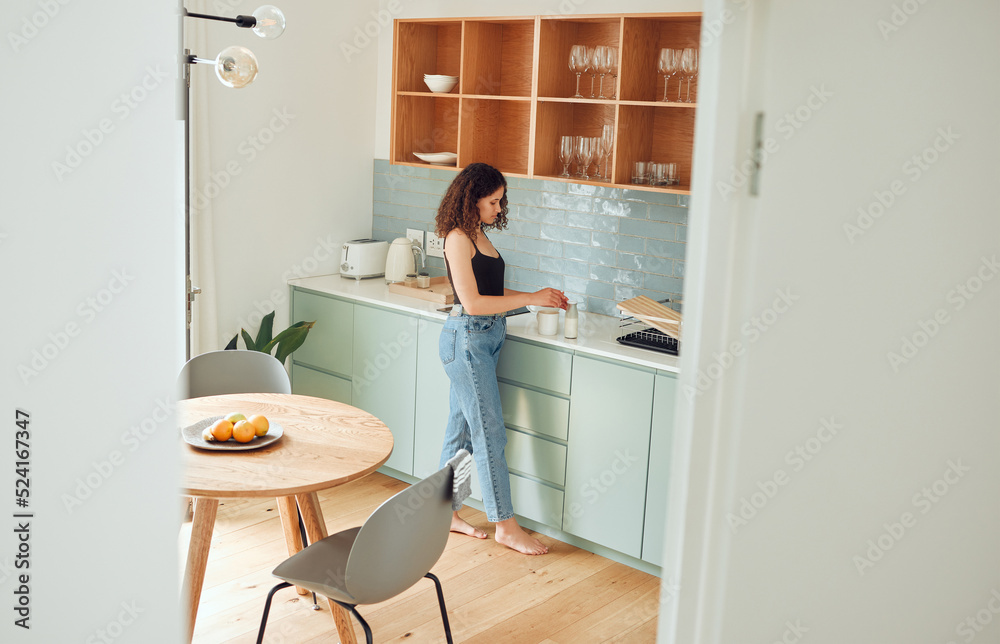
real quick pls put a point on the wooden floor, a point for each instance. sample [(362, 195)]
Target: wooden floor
[(493, 594)]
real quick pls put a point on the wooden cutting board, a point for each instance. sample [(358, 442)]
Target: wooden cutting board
[(440, 290), (654, 314)]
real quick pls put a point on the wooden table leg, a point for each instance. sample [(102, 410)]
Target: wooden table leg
[(202, 524), (290, 524), (312, 517)]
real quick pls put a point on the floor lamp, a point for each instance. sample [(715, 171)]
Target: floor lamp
[(235, 67)]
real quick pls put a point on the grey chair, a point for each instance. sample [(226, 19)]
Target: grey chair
[(232, 372), (393, 550)]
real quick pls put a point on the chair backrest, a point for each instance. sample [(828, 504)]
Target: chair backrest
[(401, 541), (232, 372)]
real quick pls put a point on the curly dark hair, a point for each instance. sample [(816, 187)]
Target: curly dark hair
[(458, 207)]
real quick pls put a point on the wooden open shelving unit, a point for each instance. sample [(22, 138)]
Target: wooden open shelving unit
[(514, 99)]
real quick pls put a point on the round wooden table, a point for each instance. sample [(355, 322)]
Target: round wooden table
[(325, 444)]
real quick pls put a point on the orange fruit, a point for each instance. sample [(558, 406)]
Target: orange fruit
[(222, 430), (243, 431), (260, 424)]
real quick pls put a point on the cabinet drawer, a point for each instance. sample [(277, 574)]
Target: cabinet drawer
[(536, 456), (329, 344), (536, 366), (310, 382), (529, 409), (536, 501)]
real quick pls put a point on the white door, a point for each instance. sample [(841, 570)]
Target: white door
[(837, 473)]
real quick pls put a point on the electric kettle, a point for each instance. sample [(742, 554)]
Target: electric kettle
[(401, 259)]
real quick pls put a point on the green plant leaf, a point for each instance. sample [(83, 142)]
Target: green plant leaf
[(248, 340), (297, 328), (264, 333), (293, 341), (232, 343)]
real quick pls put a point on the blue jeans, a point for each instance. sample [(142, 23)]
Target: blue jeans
[(469, 348)]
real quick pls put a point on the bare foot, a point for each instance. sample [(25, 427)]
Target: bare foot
[(510, 534), (461, 526)]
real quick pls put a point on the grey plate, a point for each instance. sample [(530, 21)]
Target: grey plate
[(192, 436)]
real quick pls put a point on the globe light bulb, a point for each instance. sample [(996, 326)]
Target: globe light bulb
[(270, 21), (236, 66)]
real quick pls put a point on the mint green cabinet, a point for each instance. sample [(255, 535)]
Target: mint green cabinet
[(311, 382), (660, 442), (329, 345), (535, 365), (610, 414), (384, 375)]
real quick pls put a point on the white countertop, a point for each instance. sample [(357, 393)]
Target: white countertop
[(597, 333)]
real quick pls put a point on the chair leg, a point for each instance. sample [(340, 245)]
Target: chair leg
[(267, 609), (364, 624), (444, 611)]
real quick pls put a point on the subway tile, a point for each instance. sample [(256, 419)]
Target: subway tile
[(540, 215), (602, 256), (411, 171), (442, 175), (381, 166), (579, 299), (539, 247), (522, 260), (503, 242), (673, 250), (602, 306), (682, 233), (380, 222), (516, 196), (592, 221), (624, 292), (538, 279), (383, 181), (589, 287), (604, 240), (671, 214), (381, 208), (616, 208), (684, 200), (663, 198), (383, 235), (563, 234), (583, 189), (522, 228), (629, 261), (615, 275), (663, 283), (419, 199), (551, 186), (679, 268), (563, 266), (657, 264), (648, 229), (580, 203), (382, 194), (630, 244), (434, 262)]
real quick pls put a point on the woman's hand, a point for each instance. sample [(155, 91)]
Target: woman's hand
[(550, 297)]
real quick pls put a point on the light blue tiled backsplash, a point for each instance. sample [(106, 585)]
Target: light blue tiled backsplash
[(600, 245)]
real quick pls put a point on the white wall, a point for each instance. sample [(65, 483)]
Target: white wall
[(310, 188), (458, 8)]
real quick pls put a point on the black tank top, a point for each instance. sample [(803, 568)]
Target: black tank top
[(488, 271)]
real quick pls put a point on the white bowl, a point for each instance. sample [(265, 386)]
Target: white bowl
[(437, 158), (440, 77), (440, 86)]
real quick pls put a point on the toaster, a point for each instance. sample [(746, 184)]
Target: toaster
[(360, 258)]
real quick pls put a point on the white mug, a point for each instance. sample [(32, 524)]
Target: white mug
[(548, 321)]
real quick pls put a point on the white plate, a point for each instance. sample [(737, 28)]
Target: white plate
[(192, 436), (437, 158)]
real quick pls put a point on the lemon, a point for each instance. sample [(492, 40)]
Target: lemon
[(260, 424)]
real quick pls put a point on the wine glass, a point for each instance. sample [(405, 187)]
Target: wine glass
[(668, 65), (689, 65), (578, 63), (597, 151), (591, 60), (576, 155), (586, 155), (607, 145), (566, 154), (613, 69), (602, 60)]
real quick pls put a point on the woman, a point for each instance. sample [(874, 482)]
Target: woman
[(470, 343)]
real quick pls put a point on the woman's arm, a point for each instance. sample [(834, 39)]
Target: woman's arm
[(460, 251)]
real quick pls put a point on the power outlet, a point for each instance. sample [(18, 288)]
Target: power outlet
[(435, 245), (416, 235)]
